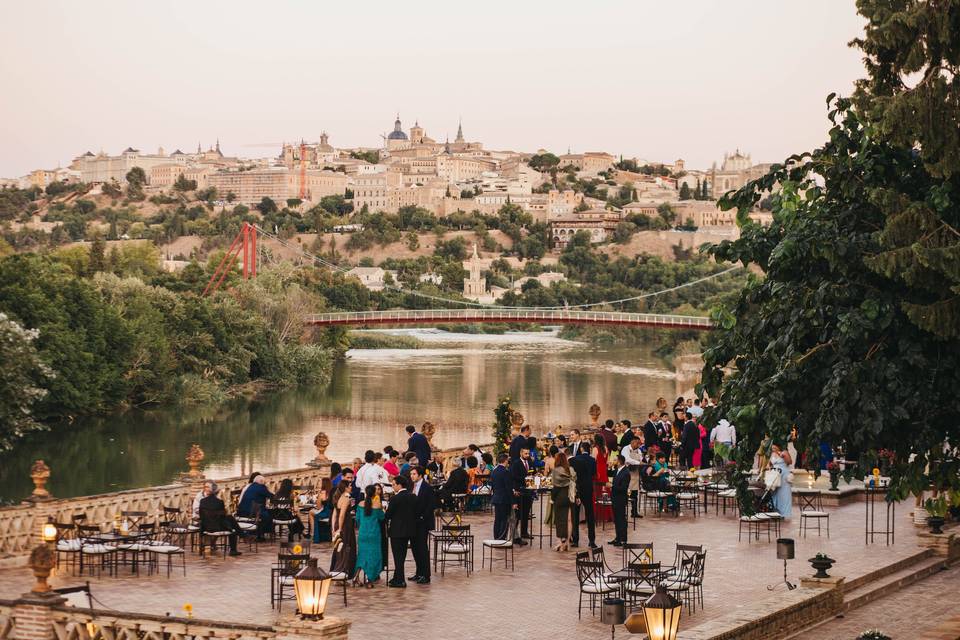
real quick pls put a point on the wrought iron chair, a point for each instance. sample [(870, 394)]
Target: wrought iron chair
[(456, 547), (636, 552), (594, 584), (281, 577), (644, 578)]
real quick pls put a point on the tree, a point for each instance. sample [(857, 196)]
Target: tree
[(22, 379), (266, 206), (666, 213), (136, 178), (623, 232), (413, 241), (182, 184), (543, 162), (98, 255), (56, 188), (111, 189), (855, 326), (685, 191)]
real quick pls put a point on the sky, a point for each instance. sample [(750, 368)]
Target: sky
[(657, 80)]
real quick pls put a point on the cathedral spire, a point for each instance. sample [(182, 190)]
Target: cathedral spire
[(459, 131)]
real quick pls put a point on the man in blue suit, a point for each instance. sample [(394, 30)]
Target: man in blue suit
[(519, 469), (519, 443), (417, 442), (501, 482), (586, 468)]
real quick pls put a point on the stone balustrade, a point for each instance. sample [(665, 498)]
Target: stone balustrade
[(45, 617)]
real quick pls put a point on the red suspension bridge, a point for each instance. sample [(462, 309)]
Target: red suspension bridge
[(244, 248)]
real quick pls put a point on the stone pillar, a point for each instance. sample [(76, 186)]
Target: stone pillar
[(34, 617), (330, 628)]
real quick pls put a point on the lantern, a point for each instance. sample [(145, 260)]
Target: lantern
[(662, 613), (311, 585), (49, 532)]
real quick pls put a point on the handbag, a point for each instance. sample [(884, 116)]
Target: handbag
[(772, 479)]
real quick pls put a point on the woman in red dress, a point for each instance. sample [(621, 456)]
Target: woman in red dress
[(600, 478)]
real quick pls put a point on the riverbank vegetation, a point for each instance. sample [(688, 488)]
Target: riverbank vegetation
[(380, 340), (94, 333)]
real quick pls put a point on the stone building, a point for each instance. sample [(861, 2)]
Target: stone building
[(475, 285), (600, 223), (737, 170), (250, 187)]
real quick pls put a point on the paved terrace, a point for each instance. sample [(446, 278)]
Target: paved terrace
[(539, 597)]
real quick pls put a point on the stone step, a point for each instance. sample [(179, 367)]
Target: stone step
[(886, 570), (890, 583)]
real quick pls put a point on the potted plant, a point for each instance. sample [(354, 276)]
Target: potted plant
[(833, 468), (937, 508), (873, 634), (954, 507), (821, 562)]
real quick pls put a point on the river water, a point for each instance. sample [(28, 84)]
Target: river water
[(454, 381)]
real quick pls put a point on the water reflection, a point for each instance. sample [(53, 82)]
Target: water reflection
[(371, 397)]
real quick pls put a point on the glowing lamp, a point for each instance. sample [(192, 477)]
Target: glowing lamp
[(662, 614), (312, 585), (49, 532)]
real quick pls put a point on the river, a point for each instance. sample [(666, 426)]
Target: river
[(454, 381)]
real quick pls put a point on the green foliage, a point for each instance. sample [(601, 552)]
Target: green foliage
[(544, 162), (372, 156), (826, 340), (266, 206), (22, 379), (182, 184), (685, 193), (501, 426), (454, 249)]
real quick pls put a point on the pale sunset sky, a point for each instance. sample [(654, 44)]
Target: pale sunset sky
[(658, 80)]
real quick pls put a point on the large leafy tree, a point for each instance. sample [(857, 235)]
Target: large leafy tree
[(853, 332)]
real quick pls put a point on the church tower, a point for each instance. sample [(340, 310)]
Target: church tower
[(459, 138), (474, 286)]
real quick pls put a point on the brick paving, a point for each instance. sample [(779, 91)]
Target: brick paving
[(539, 596), (915, 609)]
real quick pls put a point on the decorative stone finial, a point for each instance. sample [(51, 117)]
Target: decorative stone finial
[(595, 415), (39, 473), (42, 560), (194, 457), (321, 441), (428, 429)]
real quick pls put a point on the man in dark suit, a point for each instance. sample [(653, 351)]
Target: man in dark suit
[(627, 433), (519, 443), (573, 444), (456, 484), (418, 443), (213, 517), (501, 484), (401, 518), (619, 496), (586, 468), (522, 497), (689, 440), (650, 437), (426, 503), (609, 437)]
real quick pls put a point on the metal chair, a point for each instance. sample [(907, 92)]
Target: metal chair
[(682, 552), (755, 524), (680, 585), (811, 508), (504, 545), (593, 583), (643, 581), (67, 544), (92, 547), (281, 577), (636, 552), (456, 542)]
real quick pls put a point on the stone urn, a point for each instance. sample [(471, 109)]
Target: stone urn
[(194, 457), (321, 441), (935, 523), (42, 560), (40, 473), (595, 415), (516, 421), (821, 564)]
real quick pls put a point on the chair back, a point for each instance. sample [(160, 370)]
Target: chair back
[(583, 556), (686, 567), (685, 552), (699, 561), (589, 572), (65, 530), (636, 552), (454, 532), (172, 514), (597, 555), (645, 576), (291, 563), (78, 518), (85, 531), (448, 518), (147, 530)]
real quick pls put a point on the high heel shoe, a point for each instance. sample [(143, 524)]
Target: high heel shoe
[(558, 547)]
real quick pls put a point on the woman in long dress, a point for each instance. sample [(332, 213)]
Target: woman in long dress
[(564, 481), (369, 548), (600, 478), (344, 559), (783, 495)]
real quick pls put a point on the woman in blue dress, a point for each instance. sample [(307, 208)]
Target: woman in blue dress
[(783, 495), (369, 543)]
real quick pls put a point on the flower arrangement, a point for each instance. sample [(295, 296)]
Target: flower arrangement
[(188, 609), (502, 427), (833, 466), (297, 549)]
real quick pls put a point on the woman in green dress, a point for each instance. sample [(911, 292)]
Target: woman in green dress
[(369, 543)]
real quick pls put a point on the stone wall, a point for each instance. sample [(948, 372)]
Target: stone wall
[(776, 616)]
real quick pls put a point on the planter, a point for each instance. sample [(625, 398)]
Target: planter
[(821, 565), (834, 481), (935, 523)]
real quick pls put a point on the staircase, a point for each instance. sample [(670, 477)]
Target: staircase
[(889, 579)]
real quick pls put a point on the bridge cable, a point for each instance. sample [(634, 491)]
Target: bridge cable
[(335, 267)]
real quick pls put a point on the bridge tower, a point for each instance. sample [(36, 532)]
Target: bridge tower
[(244, 246)]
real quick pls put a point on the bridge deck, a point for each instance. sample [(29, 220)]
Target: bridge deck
[(558, 316)]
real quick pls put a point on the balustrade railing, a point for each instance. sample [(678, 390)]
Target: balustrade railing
[(93, 624), (511, 315)]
